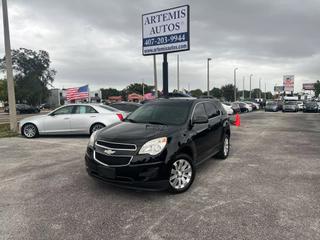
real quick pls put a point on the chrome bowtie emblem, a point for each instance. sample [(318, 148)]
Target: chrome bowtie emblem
[(109, 152)]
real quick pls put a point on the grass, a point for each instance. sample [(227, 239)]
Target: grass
[(6, 132)]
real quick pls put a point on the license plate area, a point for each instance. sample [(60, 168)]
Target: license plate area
[(107, 172)]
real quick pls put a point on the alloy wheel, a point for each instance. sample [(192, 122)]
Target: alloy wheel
[(29, 131), (226, 146), (181, 174), (96, 127)]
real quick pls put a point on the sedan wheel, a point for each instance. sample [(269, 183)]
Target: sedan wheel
[(96, 127), (30, 130), (181, 174)]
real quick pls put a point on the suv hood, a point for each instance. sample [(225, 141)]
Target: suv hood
[(135, 133)]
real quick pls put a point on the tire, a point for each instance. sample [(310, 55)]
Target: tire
[(29, 130), (96, 127), (181, 174), (225, 148)]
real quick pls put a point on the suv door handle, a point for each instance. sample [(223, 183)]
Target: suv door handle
[(92, 116), (66, 118)]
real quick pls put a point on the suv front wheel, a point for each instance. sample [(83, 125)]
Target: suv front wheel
[(181, 174)]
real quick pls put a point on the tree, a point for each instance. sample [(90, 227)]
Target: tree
[(32, 74), (317, 88), (196, 93), (107, 92), (255, 93), (138, 88), (228, 92), (216, 92), (3, 90)]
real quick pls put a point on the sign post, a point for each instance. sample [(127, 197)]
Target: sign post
[(164, 32), (288, 83)]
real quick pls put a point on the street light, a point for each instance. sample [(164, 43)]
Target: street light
[(260, 89), (235, 83), (250, 86), (208, 60), (243, 79)]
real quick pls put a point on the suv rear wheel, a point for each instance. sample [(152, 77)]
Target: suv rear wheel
[(181, 174)]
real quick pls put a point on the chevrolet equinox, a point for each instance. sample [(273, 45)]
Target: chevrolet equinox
[(160, 144)]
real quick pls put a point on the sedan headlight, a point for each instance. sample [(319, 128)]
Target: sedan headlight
[(92, 139), (154, 147)]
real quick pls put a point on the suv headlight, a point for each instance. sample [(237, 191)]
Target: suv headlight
[(92, 139), (154, 147)]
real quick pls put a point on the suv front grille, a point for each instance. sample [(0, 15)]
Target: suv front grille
[(112, 160), (117, 146)]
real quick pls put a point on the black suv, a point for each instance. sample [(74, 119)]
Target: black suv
[(159, 145)]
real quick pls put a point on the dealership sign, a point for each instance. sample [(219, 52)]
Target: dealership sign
[(278, 89), (288, 83), (166, 31), (308, 86)]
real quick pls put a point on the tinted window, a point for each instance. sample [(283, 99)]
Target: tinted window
[(199, 111), (125, 107), (174, 113), (64, 110), (109, 108), (84, 109), (211, 109)]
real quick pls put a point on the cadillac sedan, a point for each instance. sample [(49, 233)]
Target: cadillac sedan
[(71, 119)]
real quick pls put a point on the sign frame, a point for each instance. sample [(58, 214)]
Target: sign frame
[(288, 87), (169, 51)]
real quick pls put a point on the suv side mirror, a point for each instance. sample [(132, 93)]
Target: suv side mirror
[(200, 119)]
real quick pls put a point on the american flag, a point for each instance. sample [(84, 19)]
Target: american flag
[(78, 93)]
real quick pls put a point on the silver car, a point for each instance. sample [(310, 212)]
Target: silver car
[(290, 106), (71, 119)]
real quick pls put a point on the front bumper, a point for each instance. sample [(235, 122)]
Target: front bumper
[(148, 176)]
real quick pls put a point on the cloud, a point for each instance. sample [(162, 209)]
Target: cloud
[(99, 42)]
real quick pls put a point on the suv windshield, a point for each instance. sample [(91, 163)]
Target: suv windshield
[(174, 113)]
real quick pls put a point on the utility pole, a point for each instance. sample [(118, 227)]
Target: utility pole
[(250, 85), (208, 88), (178, 80), (265, 91), (260, 89), (143, 87), (11, 94), (155, 76), (165, 75), (243, 79), (235, 84)]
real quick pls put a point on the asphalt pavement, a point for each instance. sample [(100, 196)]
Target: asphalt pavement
[(268, 188)]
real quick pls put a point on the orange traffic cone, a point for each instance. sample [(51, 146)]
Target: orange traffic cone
[(237, 122)]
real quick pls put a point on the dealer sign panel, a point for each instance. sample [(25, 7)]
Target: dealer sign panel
[(166, 31)]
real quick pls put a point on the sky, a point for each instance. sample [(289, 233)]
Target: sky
[(98, 42)]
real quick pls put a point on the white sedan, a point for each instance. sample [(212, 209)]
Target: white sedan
[(71, 119), (228, 108)]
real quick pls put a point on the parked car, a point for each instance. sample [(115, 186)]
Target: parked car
[(272, 107), (228, 108), (160, 144), (71, 119), (127, 107), (244, 107), (44, 106), (280, 105), (311, 107), (300, 105), (290, 106), (235, 107), (253, 105), (23, 109)]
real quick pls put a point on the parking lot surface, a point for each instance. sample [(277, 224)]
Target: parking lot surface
[(268, 188)]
